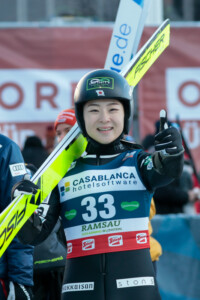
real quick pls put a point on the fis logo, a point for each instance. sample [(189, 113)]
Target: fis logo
[(64, 189)]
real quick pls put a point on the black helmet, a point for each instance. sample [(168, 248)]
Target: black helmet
[(102, 84)]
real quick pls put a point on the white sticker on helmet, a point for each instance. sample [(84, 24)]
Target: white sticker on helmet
[(100, 93)]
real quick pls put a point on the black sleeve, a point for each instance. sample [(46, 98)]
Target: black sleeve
[(41, 223), (172, 194), (151, 178)]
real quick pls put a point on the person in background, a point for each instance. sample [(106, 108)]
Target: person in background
[(34, 152), (107, 232), (50, 255), (49, 138), (178, 196), (16, 264), (64, 122), (49, 258)]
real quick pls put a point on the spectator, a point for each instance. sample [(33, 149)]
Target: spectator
[(64, 122), (16, 264), (50, 138), (34, 152), (177, 197), (50, 255), (49, 259), (179, 194)]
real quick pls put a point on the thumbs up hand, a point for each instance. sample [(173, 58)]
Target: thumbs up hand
[(168, 141), (163, 120), (168, 157)]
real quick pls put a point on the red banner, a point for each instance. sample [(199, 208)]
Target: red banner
[(173, 83), (39, 69)]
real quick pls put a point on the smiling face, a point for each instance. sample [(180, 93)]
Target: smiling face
[(104, 120)]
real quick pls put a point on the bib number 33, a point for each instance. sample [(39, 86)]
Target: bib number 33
[(92, 213)]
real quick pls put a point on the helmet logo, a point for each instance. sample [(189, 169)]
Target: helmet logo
[(100, 93), (100, 82)]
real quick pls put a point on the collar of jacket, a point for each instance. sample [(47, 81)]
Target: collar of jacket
[(94, 147), (118, 146)]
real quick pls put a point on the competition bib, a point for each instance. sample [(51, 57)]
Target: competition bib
[(105, 208)]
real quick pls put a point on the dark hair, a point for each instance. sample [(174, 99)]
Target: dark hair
[(33, 141)]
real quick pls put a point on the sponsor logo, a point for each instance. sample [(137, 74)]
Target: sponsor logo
[(106, 177), (77, 287), (150, 165), (121, 179), (129, 155), (88, 244), (73, 164), (103, 180), (139, 2), (17, 169), (64, 189), (122, 40), (141, 238), (147, 160), (192, 134), (134, 282), (42, 96), (71, 214), (192, 85), (15, 218), (100, 93), (156, 48), (39, 262), (115, 240), (183, 93), (100, 82), (105, 225), (130, 206), (69, 248)]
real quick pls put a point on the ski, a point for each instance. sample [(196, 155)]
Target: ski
[(127, 31), (72, 147), (147, 55), (47, 177), (73, 133)]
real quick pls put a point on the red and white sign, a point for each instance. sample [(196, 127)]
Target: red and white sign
[(38, 77), (183, 93), (42, 94)]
